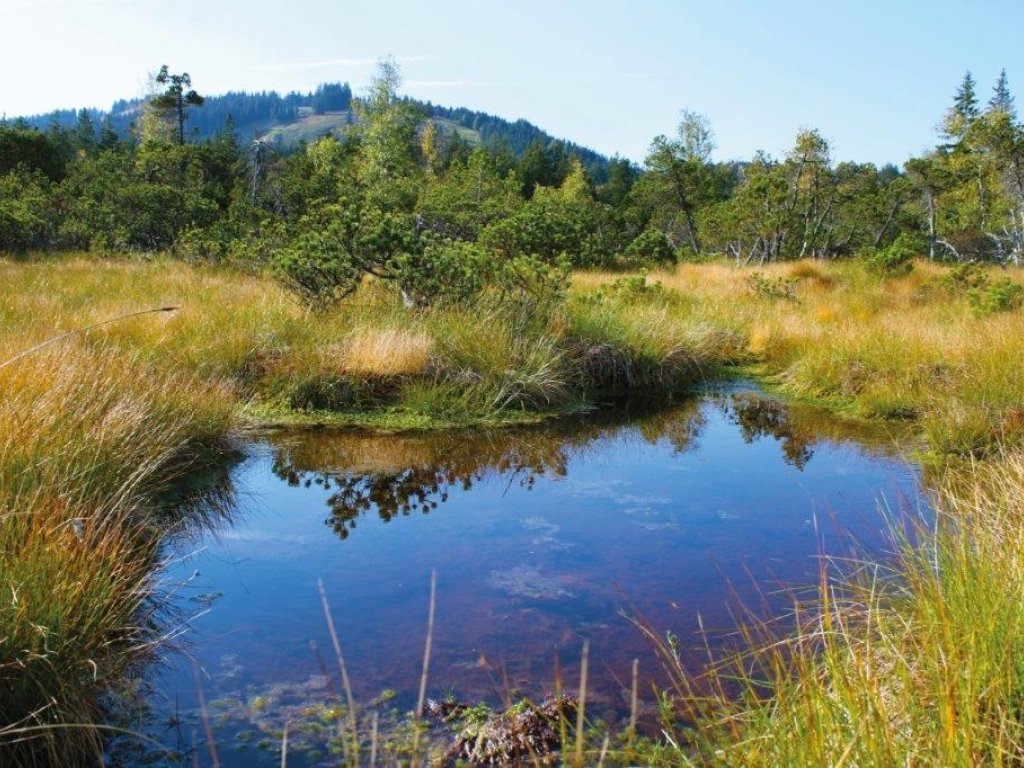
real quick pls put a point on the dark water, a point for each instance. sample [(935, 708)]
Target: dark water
[(540, 539)]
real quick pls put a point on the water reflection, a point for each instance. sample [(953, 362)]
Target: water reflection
[(395, 475), (540, 537), (760, 417)]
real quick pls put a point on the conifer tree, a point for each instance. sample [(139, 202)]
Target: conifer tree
[(965, 103), (1002, 99), (174, 102)]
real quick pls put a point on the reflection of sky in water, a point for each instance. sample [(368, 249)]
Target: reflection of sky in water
[(526, 570)]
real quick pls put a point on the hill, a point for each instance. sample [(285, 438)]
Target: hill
[(288, 120)]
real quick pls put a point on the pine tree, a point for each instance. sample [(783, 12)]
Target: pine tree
[(85, 132), (173, 103), (108, 136)]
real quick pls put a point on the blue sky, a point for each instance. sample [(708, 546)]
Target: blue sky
[(874, 77)]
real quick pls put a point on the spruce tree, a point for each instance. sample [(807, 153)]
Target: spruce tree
[(1002, 99), (962, 115), (965, 103)]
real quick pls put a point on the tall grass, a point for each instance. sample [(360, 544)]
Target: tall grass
[(87, 436), (367, 353), (920, 663), (910, 347)]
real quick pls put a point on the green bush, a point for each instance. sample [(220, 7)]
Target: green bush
[(896, 259), (316, 265), (445, 272), (650, 247), (1001, 296), (965, 277)]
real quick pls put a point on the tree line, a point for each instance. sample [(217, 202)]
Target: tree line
[(404, 198)]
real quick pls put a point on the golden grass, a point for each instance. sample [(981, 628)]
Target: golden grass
[(369, 351), (898, 347), (87, 437)]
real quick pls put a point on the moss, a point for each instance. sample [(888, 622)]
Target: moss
[(267, 416)]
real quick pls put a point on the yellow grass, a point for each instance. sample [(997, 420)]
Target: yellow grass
[(371, 351), (897, 347)]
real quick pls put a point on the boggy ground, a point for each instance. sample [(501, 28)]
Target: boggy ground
[(918, 664)]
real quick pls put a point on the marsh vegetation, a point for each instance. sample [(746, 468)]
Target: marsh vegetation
[(396, 278)]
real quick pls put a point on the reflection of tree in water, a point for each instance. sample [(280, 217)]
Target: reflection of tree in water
[(395, 475), (760, 417), (399, 493)]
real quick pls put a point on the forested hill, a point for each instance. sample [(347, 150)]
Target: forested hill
[(296, 117)]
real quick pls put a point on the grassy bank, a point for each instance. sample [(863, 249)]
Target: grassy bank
[(92, 428), (368, 358), (925, 347), (87, 436)]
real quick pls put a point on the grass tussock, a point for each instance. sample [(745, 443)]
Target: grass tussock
[(386, 352), (87, 437)]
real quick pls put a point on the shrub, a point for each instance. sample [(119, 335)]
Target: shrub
[(445, 272), (650, 247), (316, 265), (964, 277), (766, 288), (896, 259), (1001, 296)]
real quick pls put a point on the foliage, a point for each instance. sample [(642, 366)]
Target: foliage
[(1003, 295), (426, 192), (772, 288), (962, 278), (650, 247), (25, 221), (316, 264), (29, 150), (896, 259), (172, 105)]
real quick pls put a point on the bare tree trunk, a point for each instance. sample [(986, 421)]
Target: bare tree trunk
[(932, 239), (879, 234)]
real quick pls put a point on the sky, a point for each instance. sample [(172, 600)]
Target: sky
[(873, 76)]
